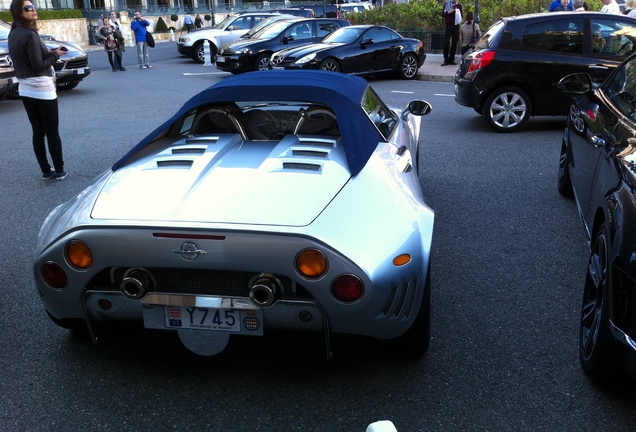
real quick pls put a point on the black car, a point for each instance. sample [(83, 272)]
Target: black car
[(597, 166), (357, 50), (512, 72), (254, 53)]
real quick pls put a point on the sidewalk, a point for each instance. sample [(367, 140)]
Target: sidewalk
[(431, 70)]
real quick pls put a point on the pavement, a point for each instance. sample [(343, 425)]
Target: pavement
[(431, 70)]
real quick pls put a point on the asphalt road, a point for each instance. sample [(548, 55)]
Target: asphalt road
[(509, 257)]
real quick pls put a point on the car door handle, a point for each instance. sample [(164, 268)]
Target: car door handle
[(597, 141), (599, 67)]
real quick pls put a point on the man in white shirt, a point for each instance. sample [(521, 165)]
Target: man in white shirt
[(610, 6)]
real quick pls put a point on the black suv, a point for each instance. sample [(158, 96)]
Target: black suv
[(246, 55), (513, 70)]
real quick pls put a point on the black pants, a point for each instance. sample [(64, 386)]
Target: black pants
[(44, 118), (451, 38), (117, 59)]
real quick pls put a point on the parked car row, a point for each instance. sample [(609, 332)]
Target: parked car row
[(70, 69), (275, 40)]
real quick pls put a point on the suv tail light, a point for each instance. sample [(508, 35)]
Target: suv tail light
[(480, 60)]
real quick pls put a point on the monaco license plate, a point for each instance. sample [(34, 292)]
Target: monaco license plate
[(181, 317), (277, 68), (220, 59)]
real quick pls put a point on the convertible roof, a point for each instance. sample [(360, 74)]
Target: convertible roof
[(342, 93)]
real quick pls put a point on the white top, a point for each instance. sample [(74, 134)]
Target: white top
[(612, 7), (39, 87)]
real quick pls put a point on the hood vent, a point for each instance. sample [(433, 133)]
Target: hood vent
[(195, 151), (301, 166), (176, 163), (318, 142), (208, 141), (310, 153)]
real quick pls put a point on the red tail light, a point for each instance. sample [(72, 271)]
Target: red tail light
[(347, 288), (482, 59), (53, 275)]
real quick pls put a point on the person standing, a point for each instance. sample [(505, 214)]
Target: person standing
[(630, 8), (563, 6), (111, 44), (119, 36), (138, 26), (187, 20), (468, 33), (198, 22), (610, 6), (33, 64), (451, 33)]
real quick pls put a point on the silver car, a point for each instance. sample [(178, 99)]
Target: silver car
[(272, 200)]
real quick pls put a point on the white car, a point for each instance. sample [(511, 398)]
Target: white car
[(228, 30)]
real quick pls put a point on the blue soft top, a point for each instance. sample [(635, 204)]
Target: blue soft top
[(342, 93)]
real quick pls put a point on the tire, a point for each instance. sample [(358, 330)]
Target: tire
[(67, 85), (408, 67), (198, 55), (416, 340), (564, 183), (597, 348), (507, 109), (330, 65), (262, 62)]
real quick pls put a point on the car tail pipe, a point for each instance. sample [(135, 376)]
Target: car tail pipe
[(137, 283), (264, 290)]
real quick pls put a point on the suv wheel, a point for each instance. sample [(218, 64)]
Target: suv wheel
[(199, 52), (507, 109), (262, 62)]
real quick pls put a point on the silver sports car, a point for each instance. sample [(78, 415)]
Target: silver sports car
[(272, 200)]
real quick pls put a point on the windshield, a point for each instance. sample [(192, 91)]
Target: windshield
[(486, 40), (226, 22), (263, 24), (344, 35), (4, 30), (273, 30)]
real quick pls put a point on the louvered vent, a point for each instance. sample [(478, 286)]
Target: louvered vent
[(400, 301), (301, 166), (318, 142), (310, 153), (174, 163), (196, 151)]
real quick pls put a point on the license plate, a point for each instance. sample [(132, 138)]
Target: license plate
[(220, 59), (181, 317), (277, 68)]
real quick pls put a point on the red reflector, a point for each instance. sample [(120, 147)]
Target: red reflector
[(188, 236), (347, 288), (54, 275), (104, 304), (481, 60), (591, 115)]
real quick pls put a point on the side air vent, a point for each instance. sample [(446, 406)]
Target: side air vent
[(301, 166), (310, 153), (174, 163), (196, 151), (400, 301)]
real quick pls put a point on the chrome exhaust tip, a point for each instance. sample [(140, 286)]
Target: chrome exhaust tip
[(137, 283), (264, 290)]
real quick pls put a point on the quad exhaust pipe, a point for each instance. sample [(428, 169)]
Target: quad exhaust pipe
[(137, 283)]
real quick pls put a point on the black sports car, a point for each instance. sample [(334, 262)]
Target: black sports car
[(246, 55), (598, 168), (357, 50)]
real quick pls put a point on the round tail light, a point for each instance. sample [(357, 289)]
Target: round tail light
[(311, 264), (347, 288), (54, 275)]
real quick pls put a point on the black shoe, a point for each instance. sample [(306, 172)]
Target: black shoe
[(114, 70), (453, 63), (445, 64), (123, 69)]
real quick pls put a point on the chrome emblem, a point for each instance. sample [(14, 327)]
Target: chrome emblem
[(189, 251)]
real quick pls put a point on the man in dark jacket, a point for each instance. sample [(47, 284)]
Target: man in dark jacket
[(451, 34)]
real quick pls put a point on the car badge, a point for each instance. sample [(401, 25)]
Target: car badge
[(189, 251)]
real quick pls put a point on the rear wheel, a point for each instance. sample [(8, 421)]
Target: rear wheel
[(597, 349), (199, 53), (330, 65), (507, 109), (408, 67)]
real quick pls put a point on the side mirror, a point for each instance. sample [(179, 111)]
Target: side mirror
[(575, 84), (418, 108), (366, 42), (287, 39)]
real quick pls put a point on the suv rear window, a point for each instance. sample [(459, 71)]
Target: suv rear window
[(563, 36)]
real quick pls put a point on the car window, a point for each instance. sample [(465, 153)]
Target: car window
[(343, 35), (489, 38), (562, 36), (242, 23), (300, 31), (378, 35), (382, 116), (613, 37), (325, 28), (272, 30), (621, 89)]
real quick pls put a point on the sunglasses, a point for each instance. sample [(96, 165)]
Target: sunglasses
[(29, 8)]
